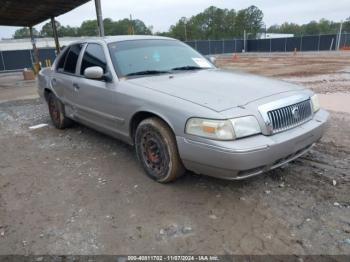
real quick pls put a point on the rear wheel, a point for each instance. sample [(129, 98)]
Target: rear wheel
[(57, 114), (157, 150)]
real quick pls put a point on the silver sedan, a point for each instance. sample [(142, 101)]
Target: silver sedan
[(179, 110)]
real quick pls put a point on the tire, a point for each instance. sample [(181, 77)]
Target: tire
[(57, 113), (157, 151)]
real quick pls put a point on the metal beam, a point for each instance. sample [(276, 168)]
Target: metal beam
[(29, 13), (35, 50), (55, 35), (99, 18)]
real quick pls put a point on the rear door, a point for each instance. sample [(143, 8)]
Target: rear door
[(57, 81), (65, 77)]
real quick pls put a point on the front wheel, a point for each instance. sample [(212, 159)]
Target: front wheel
[(157, 151)]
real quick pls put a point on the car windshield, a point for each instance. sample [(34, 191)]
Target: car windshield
[(152, 57)]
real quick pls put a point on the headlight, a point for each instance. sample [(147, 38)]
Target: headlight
[(223, 129), (214, 129), (315, 103), (245, 126)]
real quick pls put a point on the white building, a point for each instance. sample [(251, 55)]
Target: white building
[(23, 44), (273, 35)]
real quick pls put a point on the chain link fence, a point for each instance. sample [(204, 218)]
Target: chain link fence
[(20, 59), (290, 44)]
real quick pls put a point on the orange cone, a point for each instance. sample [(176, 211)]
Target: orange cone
[(235, 57)]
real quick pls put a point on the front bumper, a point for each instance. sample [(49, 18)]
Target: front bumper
[(251, 156)]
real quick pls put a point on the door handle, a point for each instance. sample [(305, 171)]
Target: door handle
[(76, 86)]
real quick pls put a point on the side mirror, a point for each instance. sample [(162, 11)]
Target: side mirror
[(212, 59), (94, 72)]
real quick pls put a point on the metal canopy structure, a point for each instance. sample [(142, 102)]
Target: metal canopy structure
[(28, 13), (32, 12)]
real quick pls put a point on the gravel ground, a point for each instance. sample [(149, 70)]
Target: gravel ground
[(77, 191)]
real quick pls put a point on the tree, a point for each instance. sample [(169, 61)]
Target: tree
[(346, 25), (140, 28), (212, 23), (46, 30), (179, 30), (120, 27), (68, 31), (217, 23), (286, 28), (323, 26), (24, 32), (312, 28), (88, 28), (249, 19), (109, 26)]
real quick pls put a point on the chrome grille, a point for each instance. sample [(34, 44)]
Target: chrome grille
[(290, 116)]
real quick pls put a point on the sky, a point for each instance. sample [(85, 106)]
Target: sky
[(161, 14)]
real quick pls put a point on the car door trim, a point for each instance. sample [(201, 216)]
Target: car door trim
[(98, 113)]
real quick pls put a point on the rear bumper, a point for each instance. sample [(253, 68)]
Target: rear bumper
[(251, 156)]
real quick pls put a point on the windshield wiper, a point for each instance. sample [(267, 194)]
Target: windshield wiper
[(187, 68), (147, 72)]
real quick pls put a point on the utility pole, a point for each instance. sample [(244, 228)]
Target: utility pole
[(339, 36), (131, 27), (185, 24)]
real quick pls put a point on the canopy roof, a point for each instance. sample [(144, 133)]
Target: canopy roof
[(32, 12)]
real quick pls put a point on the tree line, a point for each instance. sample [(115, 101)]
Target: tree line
[(323, 26), (89, 28), (217, 23), (212, 23)]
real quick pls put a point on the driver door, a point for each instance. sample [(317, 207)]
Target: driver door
[(96, 100)]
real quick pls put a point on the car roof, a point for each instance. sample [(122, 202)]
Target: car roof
[(120, 38), (110, 39)]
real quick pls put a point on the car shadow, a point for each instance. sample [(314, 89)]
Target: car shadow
[(189, 180)]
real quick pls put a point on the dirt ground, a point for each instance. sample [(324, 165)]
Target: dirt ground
[(79, 192), (13, 88)]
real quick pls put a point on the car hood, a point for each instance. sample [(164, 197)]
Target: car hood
[(216, 89)]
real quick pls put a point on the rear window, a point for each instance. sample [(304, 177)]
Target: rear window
[(72, 59), (62, 60)]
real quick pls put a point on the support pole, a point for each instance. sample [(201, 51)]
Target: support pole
[(339, 36), (245, 40), (35, 50), (99, 18), (55, 35), (3, 61), (285, 45), (36, 65)]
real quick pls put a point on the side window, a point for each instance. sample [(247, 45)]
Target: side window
[(93, 56), (62, 60), (72, 59)]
